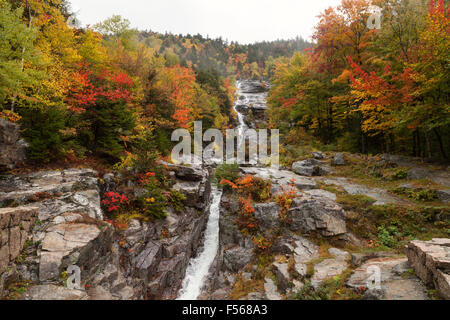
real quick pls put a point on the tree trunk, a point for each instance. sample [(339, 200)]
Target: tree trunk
[(414, 136), (363, 143), (419, 145), (441, 144), (428, 145)]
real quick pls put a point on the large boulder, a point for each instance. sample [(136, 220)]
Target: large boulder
[(443, 195), (328, 269), (268, 214), (418, 173), (281, 179), (323, 216), (13, 149), (237, 258), (310, 167), (70, 243), (339, 160), (431, 261), (318, 155)]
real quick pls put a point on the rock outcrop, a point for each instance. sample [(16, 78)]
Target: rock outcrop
[(146, 261), (13, 149), (251, 105), (15, 226), (431, 262), (321, 215), (330, 268), (387, 278)]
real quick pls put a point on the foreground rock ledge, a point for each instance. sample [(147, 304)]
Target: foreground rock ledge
[(431, 261)]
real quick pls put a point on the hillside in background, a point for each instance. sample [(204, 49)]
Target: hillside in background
[(251, 61)]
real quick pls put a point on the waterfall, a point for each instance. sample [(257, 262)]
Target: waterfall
[(197, 271), (198, 268), (241, 124)]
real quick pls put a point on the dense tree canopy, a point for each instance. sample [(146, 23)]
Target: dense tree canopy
[(371, 90)]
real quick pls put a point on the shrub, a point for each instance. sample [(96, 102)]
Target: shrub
[(176, 200), (246, 220), (399, 174), (153, 202), (113, 202), (387, 236), (419, 194), (228, 172)]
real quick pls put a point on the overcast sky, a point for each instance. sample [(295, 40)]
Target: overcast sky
[(244, 21)]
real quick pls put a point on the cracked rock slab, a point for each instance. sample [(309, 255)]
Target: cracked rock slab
[(60, 241), (431, 262)]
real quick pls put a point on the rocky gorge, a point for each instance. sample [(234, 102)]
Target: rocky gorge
[(305, 247)]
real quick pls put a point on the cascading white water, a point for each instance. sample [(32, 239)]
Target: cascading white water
[(198, 267), (241, 124)]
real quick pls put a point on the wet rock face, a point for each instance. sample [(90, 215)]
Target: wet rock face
[(12, 147), (252, 103), (431, 262), (253, 87), (237, 258), (155, 265), (253, 114)]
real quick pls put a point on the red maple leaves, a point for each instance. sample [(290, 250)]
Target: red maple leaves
[(90, 87)]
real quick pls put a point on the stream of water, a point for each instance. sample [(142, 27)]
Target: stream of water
[(198, 268)]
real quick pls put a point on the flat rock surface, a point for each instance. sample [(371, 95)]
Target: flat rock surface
[(52, 292), (392, 280), (283, 178), (381, 196), (328, 269)]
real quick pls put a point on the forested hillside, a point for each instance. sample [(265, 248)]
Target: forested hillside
[(252, 61), (107, 90), (369, 90)]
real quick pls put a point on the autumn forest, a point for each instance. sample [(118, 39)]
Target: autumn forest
[(111, 92)]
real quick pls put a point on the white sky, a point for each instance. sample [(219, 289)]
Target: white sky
[(244, 21)]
